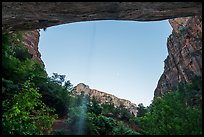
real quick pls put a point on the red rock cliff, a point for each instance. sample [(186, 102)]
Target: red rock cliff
[(104, 97), (184, 60), (31, 40)]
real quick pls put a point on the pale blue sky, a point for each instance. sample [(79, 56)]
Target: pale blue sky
[(123, 58)]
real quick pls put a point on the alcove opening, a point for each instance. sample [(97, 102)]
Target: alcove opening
[(122, 58)]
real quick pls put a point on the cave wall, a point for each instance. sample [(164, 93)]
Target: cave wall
[(36, 15)]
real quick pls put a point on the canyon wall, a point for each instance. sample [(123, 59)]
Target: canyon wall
[(31, 40), (184, 60), (104, 97)]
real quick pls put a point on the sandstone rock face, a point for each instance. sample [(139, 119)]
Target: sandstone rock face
[(31, 40), (103, 97), (184, 60), (36, 15)]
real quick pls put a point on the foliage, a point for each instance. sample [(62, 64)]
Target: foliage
[(172, 114), (17, 64), (8, 88), (181, 29), (88, 119), (121, 129), (22, 53), (25, 113), (95, 107), (174, 34), (108, 109), (121, 113), (97, 124), (110, 126), (68, 86), (57, 78), (23, 109), (57, 132), (56, 95), (141, 110), (193, 93)]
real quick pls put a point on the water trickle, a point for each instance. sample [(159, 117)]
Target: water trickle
[(81, 123)]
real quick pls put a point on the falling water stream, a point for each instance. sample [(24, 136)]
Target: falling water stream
[(81, 123)]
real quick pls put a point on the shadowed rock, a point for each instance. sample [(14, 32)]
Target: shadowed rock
[(36, 15), (184, 61)]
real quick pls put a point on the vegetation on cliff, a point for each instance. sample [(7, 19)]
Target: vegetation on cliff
[(32, 101), (24, 113), (178, 112)]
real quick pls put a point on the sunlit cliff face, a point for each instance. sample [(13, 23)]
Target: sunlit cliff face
[(184, 60), (103, 97)]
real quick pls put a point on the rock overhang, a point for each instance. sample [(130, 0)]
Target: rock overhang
[(37, 15)]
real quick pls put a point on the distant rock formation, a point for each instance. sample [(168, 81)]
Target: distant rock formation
[(184, 60), (103, 97)]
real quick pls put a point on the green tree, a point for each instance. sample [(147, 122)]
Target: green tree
[(95, 107), (17, 64), (68, 86), (55, 96), (141, 110), (59, 79), (172, 115), (26, 114), (108, 109)]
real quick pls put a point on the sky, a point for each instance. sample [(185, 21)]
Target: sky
[(123, 58)]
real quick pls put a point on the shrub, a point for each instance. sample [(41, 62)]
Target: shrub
[(25, 114)]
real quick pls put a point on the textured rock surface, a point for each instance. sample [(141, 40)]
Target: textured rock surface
[(105, 97), (31, 40), (184, 60), (35, 15)]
